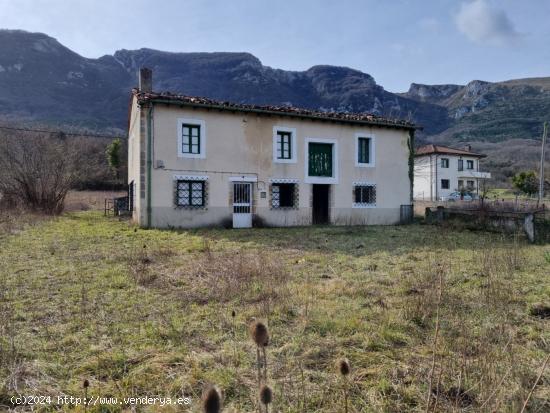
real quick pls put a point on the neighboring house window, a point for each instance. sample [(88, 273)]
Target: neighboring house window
[(284, 144), (444, 162), (191, 138), (284, 195), (364, 195), (460, 184), (460, 165), (444, 184), (190, 194), (470, 164), (364, 150), (470, 184)]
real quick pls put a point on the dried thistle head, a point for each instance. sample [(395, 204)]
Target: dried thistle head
[(212, 400), (260, 334), (85, 383), (344, 367), (266, 395)]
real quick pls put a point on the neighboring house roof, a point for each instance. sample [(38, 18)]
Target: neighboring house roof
[(445, 150), (200, 102)]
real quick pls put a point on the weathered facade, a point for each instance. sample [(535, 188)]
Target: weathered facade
[(195, 162)]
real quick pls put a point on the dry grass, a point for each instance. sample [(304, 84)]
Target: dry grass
[(166, 313)]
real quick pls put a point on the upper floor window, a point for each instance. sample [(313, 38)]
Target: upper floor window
[(364, 150), (470, 164), (444, 162), (460, 165), (284, 144), (191, 138)]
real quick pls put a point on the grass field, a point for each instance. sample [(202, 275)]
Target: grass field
[(147, 312)]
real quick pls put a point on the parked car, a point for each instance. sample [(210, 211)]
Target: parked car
[(457, 196)]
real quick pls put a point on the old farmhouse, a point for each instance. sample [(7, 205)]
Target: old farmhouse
[(196, 162)]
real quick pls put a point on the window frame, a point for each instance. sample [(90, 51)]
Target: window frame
[(311, 179), (445, 163), (468, 163), (372, 150), (293, 147), (356, 204), (294, 192), (448, 183), (460, 167), (202, 137), (190, 182)]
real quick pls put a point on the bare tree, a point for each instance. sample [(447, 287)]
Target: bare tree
[(38, 170)]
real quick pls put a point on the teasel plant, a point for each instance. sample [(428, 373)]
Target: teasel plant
[(344, 369), (212, 400), (85, 385), (260, 336), (266, 397)]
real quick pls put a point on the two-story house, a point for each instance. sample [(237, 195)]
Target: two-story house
[(196, 162), (440, 171)]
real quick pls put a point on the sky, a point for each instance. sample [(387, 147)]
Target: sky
[(396, 41)]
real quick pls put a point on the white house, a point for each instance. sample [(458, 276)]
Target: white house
[(440, 171), (196, 162)]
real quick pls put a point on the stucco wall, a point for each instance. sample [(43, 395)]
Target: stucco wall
[(240, 144)]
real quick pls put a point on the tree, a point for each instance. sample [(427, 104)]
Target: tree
[(39, 170), (114, 157), (526, 182)]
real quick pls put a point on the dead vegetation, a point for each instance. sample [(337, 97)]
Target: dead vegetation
[(414, 320)]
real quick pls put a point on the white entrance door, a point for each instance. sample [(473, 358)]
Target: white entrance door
[(242, 205)]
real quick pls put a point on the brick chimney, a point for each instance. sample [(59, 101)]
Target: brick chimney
[(468, 148), (145, 80)]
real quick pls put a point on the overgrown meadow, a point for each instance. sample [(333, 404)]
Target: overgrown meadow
[(430, 319)]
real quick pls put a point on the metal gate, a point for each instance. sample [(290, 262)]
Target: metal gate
[(242, 205)]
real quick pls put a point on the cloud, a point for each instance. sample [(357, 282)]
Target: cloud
[(429, 24), (484, 24)]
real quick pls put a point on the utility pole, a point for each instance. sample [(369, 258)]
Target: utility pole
[(541, 173)]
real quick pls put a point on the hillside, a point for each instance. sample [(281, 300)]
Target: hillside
[(42, 81)]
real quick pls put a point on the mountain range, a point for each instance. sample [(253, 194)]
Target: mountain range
[(44, 82)]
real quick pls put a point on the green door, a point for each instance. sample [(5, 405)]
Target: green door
[(320, 159)]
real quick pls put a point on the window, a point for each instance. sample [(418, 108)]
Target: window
[(364, 195), (470, 185), (470, 164), (283, 195), (191, 138), (444, 184), (190, 194), (460, 184), (444, 162), (320, 159), (284, 145), (364, 150), (460, 165)]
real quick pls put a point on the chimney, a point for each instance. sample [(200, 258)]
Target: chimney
[(145, 80), (468, 148)]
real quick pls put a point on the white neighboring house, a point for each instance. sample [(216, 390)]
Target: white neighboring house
[(440, 171)]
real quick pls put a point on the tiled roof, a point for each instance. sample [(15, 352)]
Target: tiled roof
[(356, 118), (445, 150)]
